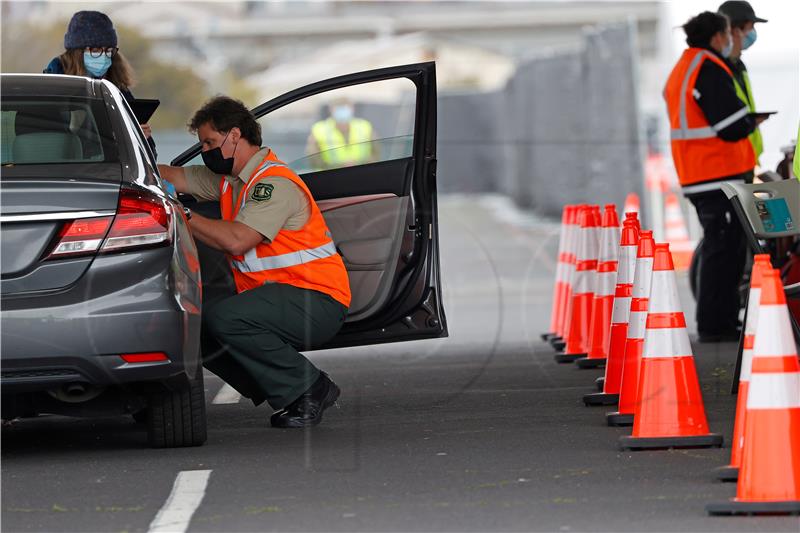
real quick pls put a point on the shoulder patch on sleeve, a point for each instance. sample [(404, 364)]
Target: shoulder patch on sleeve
[(262, 192)]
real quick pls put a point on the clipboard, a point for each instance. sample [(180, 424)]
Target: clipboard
[(143, 108)]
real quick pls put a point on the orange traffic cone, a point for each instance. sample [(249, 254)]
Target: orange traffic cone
[(631, 204), (669, 409), (561, 274), (636, 328), (603, 305), (634, 217), (565, 313), (609, 394), (676, 234), (761, 263), (583, 288), (769, 477)]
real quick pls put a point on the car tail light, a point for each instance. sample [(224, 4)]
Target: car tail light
[(81, 237), (142, 220), (147, 357)]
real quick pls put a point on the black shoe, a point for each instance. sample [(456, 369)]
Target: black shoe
[(306, 411), (725, 336)]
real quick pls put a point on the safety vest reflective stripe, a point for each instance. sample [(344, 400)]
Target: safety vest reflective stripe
[(262, 168), (252, 263), (774, 391), (684, 132), (708, 131)]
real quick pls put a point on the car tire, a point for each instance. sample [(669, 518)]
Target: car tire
[(177, 417)]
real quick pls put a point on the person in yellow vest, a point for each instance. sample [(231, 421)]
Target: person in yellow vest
[(709, 130), (342, 139), (796, 163), (743, 19), (292, 289)]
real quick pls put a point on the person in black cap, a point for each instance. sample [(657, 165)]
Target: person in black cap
[(90, 49), (743, 32)]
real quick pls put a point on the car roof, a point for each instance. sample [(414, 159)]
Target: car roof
[(49, 85)]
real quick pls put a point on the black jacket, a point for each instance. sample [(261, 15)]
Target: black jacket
[(717, 98)]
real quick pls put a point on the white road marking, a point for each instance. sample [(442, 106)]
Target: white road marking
[(227, 394), (183, 501)]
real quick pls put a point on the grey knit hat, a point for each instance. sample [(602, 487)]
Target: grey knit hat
[(90, 28)]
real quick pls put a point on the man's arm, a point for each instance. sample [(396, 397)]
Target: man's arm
[(176, 176), (717, 98), (233, 238)]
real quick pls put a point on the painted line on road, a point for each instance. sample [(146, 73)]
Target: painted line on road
[(227, 394), (186, 496)]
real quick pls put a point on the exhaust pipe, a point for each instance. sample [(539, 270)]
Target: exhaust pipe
[(76, 392)]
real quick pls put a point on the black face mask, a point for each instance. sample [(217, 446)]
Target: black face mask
[(215, 162)]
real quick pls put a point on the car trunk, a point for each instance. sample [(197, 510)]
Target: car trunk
[(34, 211)]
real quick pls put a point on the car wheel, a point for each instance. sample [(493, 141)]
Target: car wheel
[(177, 417)]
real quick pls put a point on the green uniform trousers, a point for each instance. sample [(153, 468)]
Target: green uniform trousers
[(251, 340)]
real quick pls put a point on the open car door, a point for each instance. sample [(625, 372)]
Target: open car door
[(365, 144)]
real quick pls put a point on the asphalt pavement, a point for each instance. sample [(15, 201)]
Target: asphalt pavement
[(482, 431)]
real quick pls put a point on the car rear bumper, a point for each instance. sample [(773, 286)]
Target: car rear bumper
[(126, 304)]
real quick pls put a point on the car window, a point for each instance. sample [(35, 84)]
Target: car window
[(55, 130), (355, 125)]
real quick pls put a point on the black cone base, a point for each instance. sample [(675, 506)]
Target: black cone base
[(590, 363), (712, 440), (733, 507), (601, 398), (558, 345), (547, 336), (601, 383), (727, 473), (619, 419), (564, 358)]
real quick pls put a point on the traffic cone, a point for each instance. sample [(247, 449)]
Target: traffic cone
[(583, 289), (634, 217), (603, 305), (634, 342), (676, 234), (769, 477), (669, 410), (609, 394), (561, 267), (573, 233), (761, 263), (631, 204)]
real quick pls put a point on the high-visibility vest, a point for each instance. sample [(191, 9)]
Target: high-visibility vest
[(745, 94), (335, 149), (702, 159), (305, 258), (796, 163)]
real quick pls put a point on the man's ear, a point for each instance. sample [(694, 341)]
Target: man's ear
[(235, 134)]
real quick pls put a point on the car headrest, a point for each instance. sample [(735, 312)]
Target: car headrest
[(46, 147), (41, 119)]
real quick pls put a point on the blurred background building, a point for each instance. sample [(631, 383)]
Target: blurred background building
[(546, 101)]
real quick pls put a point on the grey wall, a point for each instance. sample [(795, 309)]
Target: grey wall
[(565, 129)]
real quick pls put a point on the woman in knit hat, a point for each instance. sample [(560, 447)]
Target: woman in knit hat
[(90, 49)]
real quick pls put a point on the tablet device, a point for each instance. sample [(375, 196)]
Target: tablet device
[(763, 114), (143, 108)]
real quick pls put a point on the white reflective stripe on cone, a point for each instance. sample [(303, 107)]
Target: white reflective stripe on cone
[(559, 272), (667, 342), (643, 277), (774, 334), (606, 283), (253, 263), (752, 311), (664, 293), (636, 324), (627, 264), (622, 310), (747, 365), (584, 282), (774, 391)]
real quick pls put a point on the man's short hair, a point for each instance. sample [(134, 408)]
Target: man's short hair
[(224, 113)]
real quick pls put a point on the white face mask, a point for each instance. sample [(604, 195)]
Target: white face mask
[(727, 49), (342, 113)]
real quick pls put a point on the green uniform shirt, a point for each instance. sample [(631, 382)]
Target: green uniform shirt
[(281, 205)]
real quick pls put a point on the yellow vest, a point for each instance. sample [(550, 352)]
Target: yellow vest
[(745, 94), (797, 155), (335, 150)]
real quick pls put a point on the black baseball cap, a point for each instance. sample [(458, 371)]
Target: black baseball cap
[(739, 11)]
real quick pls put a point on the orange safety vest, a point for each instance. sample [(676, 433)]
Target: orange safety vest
[(701, 158), (305, 258)]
